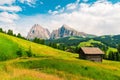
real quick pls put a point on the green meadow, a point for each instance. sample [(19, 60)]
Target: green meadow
[(49, 64)]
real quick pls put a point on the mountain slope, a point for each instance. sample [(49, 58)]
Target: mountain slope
[(37, 49), (7, 47), (109, 40), (38, 31), (66, 31), (52, 64), (106, 40)]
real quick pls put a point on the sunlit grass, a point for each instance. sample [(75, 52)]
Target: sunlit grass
[(39, 49), (51, 64), (74, 68)]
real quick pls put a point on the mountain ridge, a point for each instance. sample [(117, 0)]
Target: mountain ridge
[(63, 31)]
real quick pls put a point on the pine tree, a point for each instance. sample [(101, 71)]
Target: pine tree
[(10, 32), (118, 48), (111, 55), (29, 52), (1, 30), (19, 35)]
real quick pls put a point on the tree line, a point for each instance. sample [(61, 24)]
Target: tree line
[(10, 32), (114, 55)]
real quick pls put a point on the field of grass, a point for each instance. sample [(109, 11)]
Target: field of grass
[(50, 64), (7, 47), (89, 43)]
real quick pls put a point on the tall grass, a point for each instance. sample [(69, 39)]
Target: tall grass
[(52, 66)]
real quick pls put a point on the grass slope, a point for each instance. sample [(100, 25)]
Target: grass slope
[(94, 43), (7, 48), (51, 64), (90, 43)]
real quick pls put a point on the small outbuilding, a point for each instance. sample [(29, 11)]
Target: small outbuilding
[(91, 53)]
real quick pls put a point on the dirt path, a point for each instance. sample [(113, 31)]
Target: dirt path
[(13, 73), (33, 74)]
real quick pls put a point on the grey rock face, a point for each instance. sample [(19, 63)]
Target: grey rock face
[(66, 31), (39, 32)]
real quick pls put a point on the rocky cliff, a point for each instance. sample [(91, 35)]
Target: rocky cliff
[(66, 31), (39, 32)]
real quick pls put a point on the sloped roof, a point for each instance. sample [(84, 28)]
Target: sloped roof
[(91, 50)]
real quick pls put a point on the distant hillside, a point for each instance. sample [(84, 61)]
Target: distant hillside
[(103, 42), (68, 41), (109, 40)]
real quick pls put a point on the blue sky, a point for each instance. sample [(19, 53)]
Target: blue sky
[(43, 6), (99, 17)]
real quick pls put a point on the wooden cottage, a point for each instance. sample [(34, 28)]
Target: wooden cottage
[(91, 53)]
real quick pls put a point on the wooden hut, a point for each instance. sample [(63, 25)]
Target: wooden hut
[(91, 53)]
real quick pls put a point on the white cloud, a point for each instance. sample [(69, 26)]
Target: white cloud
[(31, 3), (50, 11), (2, 2), (7, 17), (10, 8), (53, 12), (98, 18), (73, 6), (57, 7), (8, 12)]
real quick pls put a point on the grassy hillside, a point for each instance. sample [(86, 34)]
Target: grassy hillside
[(50, 64), (91, 42), (7, 48), (109, 40), (37, 49)]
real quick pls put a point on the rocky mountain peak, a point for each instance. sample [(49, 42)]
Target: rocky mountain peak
[(43, 33), (66, 31), (66, 27), (39, 32)]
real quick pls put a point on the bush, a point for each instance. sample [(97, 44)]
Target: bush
[(19, 52), (29, 52)]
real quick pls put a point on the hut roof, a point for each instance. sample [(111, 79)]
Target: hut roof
[(91, 50)]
